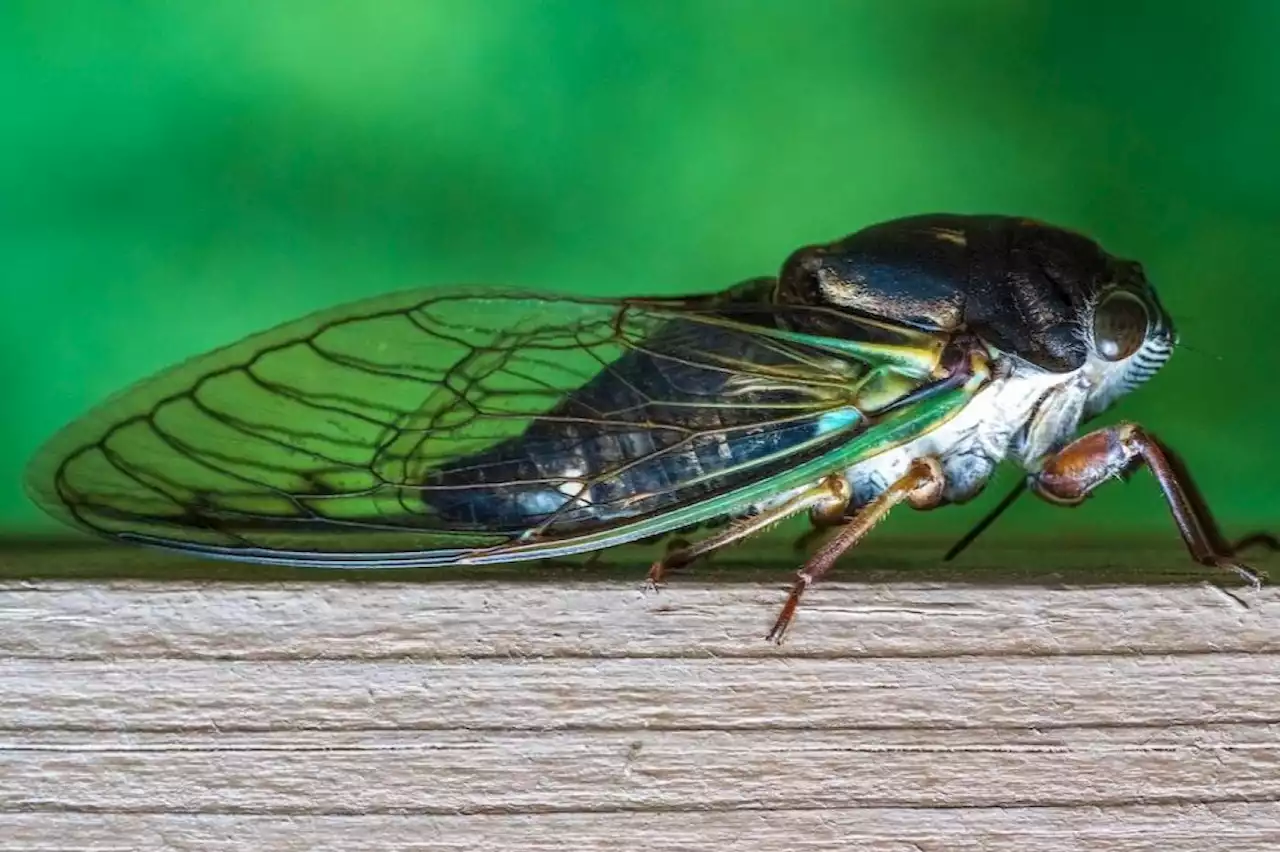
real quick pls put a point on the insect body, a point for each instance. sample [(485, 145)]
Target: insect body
[(900, 364)]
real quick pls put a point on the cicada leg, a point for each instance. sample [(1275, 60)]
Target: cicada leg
[(921, 486), (831, 495), (593, 562), (1254, 541), (1069, 476)]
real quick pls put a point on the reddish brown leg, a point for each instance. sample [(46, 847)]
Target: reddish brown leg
[(829, 496), (1256, 540), (672, 556), (1068, 477), (1253, 541), (921, 486), (594, 561)]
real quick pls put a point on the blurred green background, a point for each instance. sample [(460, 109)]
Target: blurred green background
[(178, 174)]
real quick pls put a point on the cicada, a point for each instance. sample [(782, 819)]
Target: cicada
[(900, 364)]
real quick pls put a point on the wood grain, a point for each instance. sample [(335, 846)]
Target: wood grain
[(590, 715)]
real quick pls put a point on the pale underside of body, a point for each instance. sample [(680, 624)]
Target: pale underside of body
[(1021, 417)]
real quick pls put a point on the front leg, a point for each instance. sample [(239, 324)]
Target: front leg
[(1069, 476)]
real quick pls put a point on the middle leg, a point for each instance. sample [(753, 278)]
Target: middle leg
[(921, 486)]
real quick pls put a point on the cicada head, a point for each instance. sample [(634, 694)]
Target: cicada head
[(1129, 336), (1045, 297)]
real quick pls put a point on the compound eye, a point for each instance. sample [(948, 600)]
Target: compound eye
[(1119, 326)]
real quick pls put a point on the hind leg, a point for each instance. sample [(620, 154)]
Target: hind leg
[(829, 496)]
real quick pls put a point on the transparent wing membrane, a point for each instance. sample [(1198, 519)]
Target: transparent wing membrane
[(441, 426)]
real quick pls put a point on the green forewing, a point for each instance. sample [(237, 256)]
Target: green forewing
[(382, 432)]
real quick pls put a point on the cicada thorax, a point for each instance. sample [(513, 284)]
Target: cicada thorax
[(1021, 285)]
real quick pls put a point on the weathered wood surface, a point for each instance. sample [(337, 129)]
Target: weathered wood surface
[(505, 716)]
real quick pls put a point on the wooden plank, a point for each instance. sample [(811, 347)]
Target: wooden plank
[(59, 620), (522, 715), (328, 773), (1203, 828), (636, 693)]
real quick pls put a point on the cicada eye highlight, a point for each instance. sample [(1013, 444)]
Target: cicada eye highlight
[(1120, 324)]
